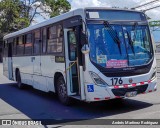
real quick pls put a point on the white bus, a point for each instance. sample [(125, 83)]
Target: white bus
[(90, 54)]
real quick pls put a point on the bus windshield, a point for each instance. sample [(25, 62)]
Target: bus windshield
[(119, 46)]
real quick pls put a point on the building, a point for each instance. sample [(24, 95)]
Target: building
[(157, 47)]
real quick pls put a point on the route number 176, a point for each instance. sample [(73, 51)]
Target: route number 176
[(116, 81)]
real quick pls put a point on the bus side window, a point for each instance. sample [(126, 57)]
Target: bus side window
[(37, 44), (20, 45), (60, 38), (52, 40), (44, 41), (14, 47), (4, 44), (5, 50), (28, 44), (72, 45), (55, 39)]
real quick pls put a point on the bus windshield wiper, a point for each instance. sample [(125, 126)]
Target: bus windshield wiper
[(130, 42), (113, 34), (134, 39), (135, 29)]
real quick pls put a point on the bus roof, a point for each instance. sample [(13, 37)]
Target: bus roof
[(59, 18)]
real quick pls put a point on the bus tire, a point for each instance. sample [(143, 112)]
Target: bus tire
[(62, 91), (19, 82)]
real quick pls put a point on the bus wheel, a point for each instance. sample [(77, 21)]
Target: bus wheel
[(62, 91), (19, 82)]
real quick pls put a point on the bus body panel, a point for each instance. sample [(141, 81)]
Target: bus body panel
[(42, 80), (105, 92), (5, 67), (7, 60), (49, 68)]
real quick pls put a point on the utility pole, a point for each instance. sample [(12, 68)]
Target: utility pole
[(148, 6), (148, 3)]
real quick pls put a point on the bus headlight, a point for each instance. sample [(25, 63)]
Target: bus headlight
[(97, 80), (153, 75)]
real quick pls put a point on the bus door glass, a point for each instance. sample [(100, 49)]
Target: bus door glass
[(10, 63), (71, 61), (5, 58)]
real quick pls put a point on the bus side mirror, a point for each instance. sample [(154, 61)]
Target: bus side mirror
[(85, 49), (83, 39)]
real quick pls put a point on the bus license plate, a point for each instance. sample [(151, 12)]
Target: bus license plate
[(131, 94)]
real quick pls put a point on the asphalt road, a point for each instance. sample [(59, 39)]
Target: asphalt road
[(34, 104)]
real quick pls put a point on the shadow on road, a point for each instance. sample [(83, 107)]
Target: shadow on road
[(39, 105)]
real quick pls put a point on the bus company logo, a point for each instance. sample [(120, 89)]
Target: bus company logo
[(130, 80), (126, 69)]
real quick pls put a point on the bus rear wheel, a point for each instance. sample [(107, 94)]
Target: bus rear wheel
[(62, 91), (19, 82)]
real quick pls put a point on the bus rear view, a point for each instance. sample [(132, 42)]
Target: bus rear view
[(122, 62)]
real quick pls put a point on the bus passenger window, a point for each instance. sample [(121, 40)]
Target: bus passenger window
[(55, 39), (28, 44), (44, 41), (72, 45), (52, 40), (37, 44), (60, 39), (5, 50), (20, 45), (14, 50)]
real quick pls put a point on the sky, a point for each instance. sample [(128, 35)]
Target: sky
[(154, 14)]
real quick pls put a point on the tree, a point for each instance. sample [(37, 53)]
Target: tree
[(12, 16), (17, 14), (58, 6)]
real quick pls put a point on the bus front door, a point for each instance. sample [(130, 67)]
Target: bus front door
[(10, 63), (72, 68)]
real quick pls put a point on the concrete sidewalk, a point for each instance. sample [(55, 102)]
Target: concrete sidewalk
[(3, 79)]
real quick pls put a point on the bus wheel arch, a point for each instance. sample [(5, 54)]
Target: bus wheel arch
[(61, 88)]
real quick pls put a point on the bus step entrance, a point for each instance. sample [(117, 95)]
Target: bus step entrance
[(75, 84), (78, 97), (74, 79)]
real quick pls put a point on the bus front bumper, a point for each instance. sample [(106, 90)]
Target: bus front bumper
[(99, 93)]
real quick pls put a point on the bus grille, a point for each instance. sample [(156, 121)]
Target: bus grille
[(122, 91)]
